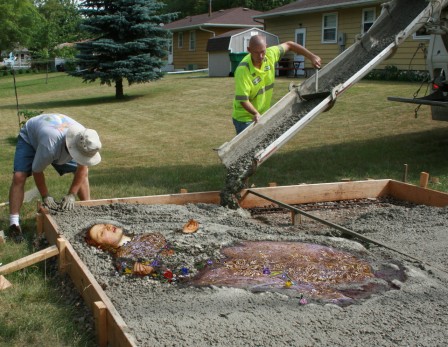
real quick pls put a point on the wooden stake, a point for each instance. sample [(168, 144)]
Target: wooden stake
[(296, 218), (39, 224), (4, 283), (405, 174), (29, 260), (424, 177), (183, 191), (100, 316), (61, 244)]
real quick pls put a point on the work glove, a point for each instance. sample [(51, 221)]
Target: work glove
[(49, 202), (68, 202)]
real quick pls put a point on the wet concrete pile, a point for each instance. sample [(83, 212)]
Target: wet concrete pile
[(400, 14)]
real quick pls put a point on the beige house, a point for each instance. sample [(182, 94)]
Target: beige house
[(327, 27), (191, 34)]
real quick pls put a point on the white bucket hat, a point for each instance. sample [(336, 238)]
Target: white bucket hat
[(83, 145)]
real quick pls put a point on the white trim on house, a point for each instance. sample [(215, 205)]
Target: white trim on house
[(192, 40), (363, 22), (327, 28), (180, 40)]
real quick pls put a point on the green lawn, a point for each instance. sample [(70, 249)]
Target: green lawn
[(161, 138)]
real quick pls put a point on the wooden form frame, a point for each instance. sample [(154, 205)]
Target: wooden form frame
[(111, 330)]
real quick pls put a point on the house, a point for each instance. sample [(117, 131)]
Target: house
[(232, 44), (191, 34), (18, 59), (328, 27)]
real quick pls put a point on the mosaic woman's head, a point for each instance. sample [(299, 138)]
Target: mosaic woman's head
[(104, 235)]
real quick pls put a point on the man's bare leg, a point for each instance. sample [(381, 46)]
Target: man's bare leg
[(17, 192)]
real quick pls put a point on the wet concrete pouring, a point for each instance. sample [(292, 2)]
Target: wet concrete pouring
[(408, 308), (241, 164)]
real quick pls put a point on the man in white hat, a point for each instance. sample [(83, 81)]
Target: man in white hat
[(58, 140)]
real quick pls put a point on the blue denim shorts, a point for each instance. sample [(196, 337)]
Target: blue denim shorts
[(240, 126), (24, 156)]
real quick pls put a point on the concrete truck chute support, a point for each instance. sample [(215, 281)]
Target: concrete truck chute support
[(437, 64), (398, 20)]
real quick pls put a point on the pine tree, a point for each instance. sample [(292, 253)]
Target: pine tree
[(129, 42)]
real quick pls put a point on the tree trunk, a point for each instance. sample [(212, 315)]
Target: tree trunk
[(119, 89)]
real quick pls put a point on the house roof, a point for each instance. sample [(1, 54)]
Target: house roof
[(230, 18), (309, 6)]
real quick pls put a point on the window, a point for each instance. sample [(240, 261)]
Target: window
[(180, 40), (421, 34), (368, 17), (192, 40), (329, 27)]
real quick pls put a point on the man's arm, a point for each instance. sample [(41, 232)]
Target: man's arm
[(80, 187), (247, 105), (39, 179), (80, 178), (300, 50)]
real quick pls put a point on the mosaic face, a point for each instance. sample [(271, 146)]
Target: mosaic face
[(106, 234)]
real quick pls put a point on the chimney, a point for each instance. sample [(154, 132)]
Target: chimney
[(209, 8)]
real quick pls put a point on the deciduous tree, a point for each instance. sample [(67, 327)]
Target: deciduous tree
[(17, 22), (60, 24)]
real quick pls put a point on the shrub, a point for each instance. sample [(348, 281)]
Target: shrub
[(392, 73)]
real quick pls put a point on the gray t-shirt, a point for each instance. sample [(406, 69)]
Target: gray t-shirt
[(46, 134)]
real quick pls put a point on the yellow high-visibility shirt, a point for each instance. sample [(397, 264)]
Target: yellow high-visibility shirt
[(255, 85)]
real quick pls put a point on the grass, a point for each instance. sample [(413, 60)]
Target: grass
[(161, 138)]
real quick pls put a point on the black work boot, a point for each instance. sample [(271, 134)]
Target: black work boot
[(15, 233)]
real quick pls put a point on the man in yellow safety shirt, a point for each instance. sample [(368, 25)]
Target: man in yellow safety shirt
[(255, 77)]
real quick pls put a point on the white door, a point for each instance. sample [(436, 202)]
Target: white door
[(246, 40), (300, 38)]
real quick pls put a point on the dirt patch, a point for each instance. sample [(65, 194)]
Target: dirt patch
[(159, 314)]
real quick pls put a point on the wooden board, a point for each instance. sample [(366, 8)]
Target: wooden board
[(88, 287), (311, 193), (176, 199), (4, 283), (296, 194), (29, 260), (417, 195), (117, 330)]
